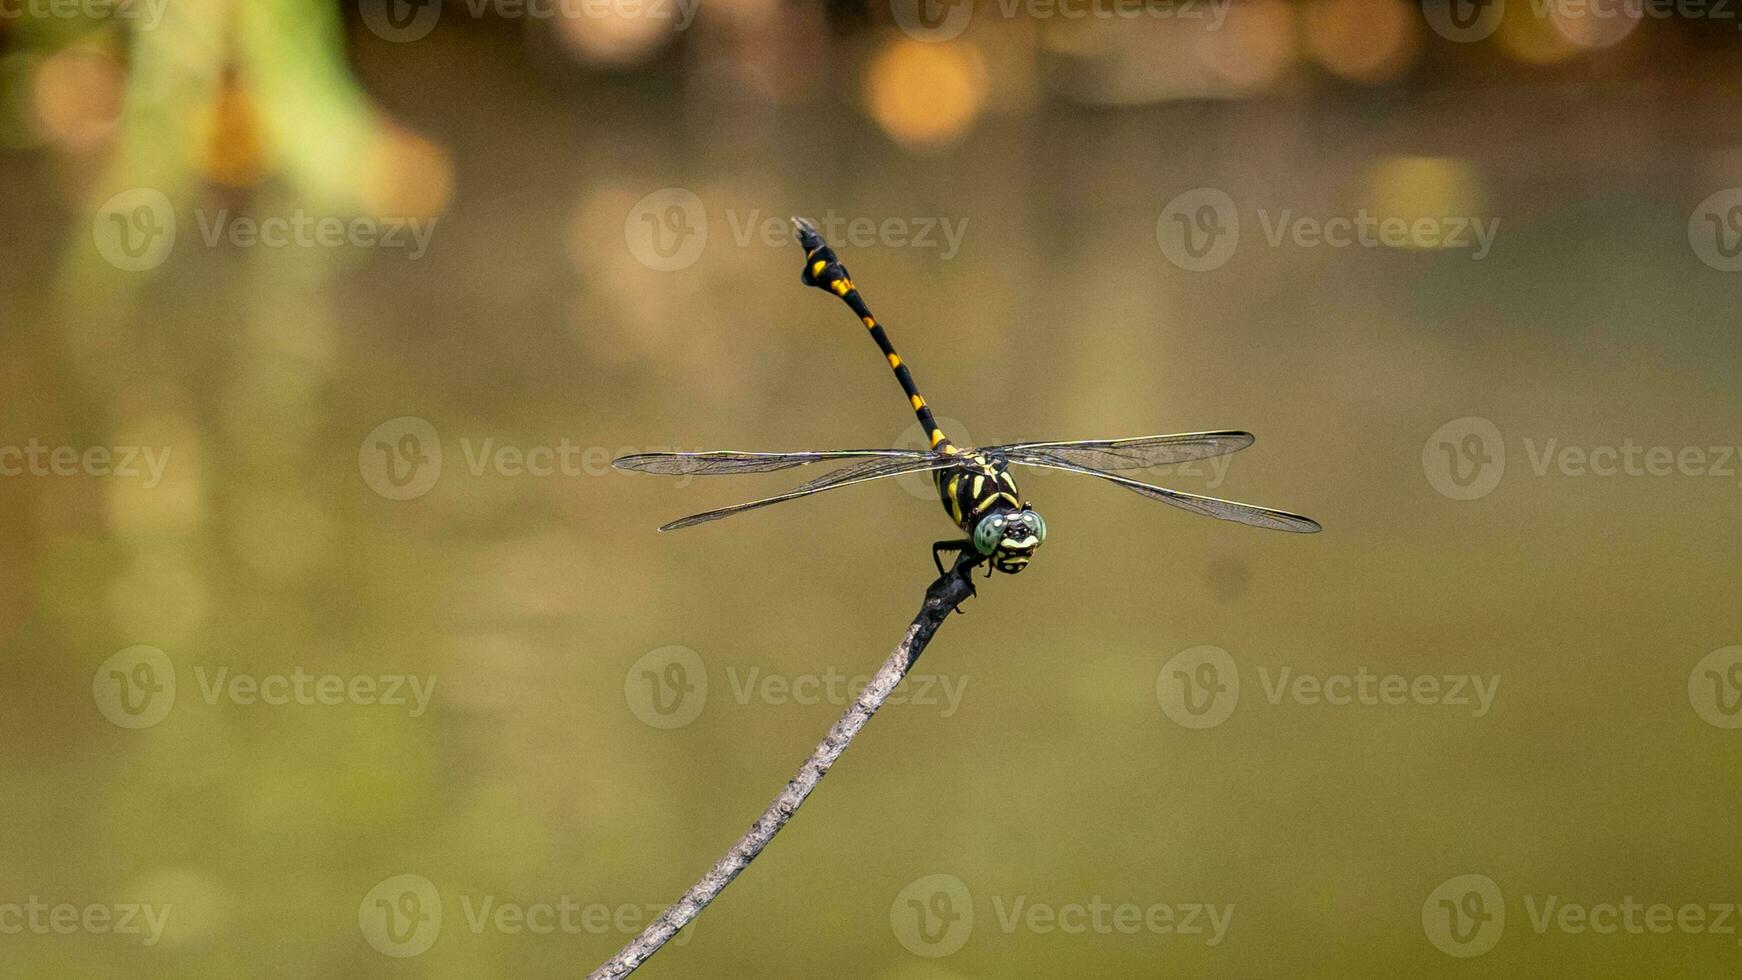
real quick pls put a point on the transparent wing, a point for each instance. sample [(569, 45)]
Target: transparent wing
[(720, 463), (871, 469), (1135, 453), (1226, 510), (860, 472)]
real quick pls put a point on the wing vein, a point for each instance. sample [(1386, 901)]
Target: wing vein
[(721, 463), (1138, 452), (1226, 510), (845, 476)]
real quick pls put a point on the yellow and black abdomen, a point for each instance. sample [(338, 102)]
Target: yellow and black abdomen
[(976, 488)]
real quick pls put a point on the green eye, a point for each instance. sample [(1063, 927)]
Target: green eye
[(1039, 525), (987, 534)]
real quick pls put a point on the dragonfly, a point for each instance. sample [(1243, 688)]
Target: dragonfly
[(999, 525)]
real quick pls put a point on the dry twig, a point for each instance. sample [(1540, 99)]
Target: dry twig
[(944, 595)]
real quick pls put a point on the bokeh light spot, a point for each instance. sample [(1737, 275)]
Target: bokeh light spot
[(925, 94), (1369, 41)]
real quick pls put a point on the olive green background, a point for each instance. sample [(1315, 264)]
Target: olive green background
[(545, 607)]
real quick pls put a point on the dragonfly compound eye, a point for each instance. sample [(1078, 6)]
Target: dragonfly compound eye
[(989, 532)]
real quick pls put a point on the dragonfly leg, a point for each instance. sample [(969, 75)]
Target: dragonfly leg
[(940, 548)]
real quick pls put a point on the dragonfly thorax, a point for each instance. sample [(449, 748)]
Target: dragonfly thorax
[(981, 496), (975, 487)]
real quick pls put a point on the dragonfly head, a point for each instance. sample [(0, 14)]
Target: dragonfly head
[(1009, 538)]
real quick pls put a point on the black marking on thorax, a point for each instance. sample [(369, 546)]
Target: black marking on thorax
[(975, 487)]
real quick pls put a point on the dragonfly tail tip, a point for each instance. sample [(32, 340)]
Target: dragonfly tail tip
[(807, 233)]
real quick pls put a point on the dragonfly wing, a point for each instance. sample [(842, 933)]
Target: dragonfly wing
[(845, 476), (875, 468), (1226, 510), (1136, 453), (721, 463)]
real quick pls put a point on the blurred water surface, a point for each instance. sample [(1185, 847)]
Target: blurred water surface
[(381, 498)]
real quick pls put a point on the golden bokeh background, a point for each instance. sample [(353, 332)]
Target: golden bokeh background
[(319, 323)]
